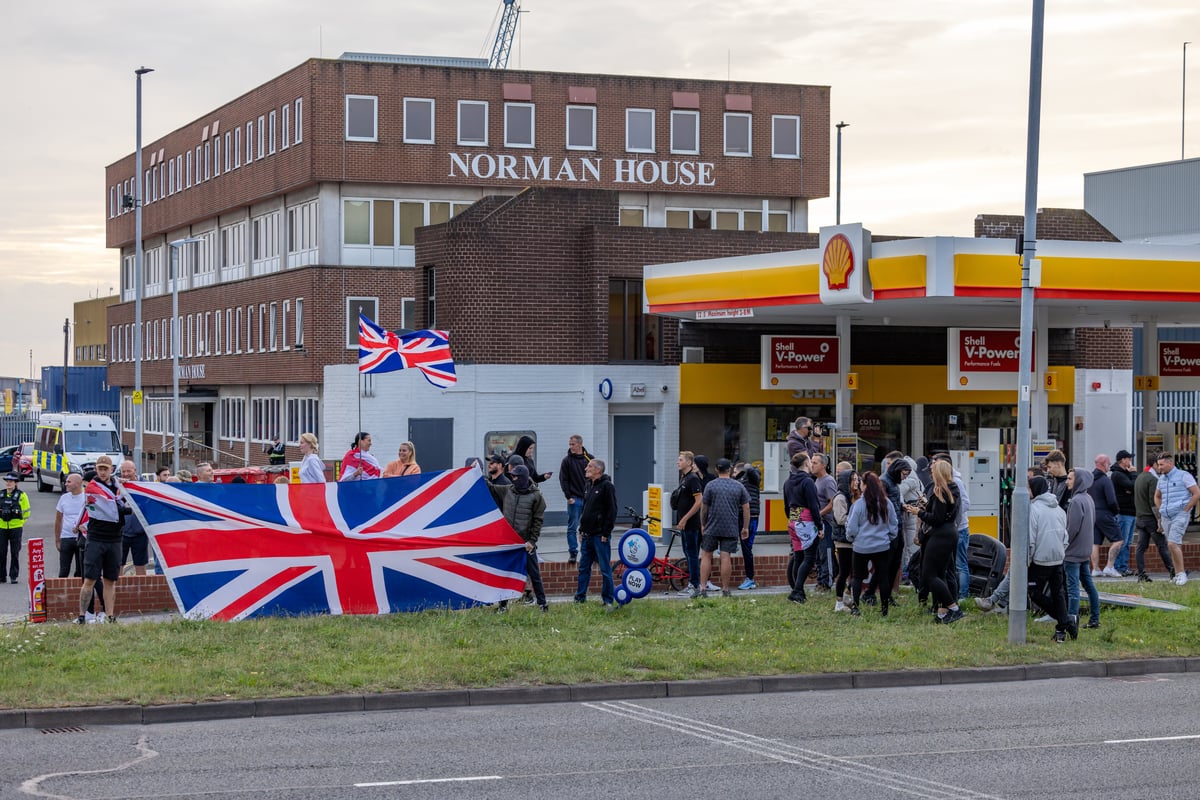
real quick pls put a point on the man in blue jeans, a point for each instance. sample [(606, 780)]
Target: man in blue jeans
[(595, 528), (573, 483), (1123, 476)]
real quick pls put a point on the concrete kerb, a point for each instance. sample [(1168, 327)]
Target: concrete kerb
[(325, 704)]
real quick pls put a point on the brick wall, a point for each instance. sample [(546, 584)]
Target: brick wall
[(1067, 224), (136, 594), (1104, 348)]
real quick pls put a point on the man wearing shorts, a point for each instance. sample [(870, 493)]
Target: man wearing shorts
[(106, 509), (133, 536), (1176, 496), (724, 521)]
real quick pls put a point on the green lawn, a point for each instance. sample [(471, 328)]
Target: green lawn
[(152, 663)]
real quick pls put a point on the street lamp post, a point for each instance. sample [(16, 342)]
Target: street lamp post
[(176, 341), (1183, 120), (839, 126), (138, 425)]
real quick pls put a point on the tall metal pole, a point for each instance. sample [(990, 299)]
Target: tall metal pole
[(1019, 566), (1183, 120), (176, 341), (839, 126), (66, 348), (138, 281)]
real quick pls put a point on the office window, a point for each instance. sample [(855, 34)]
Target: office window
[(632, 336), (418, 120), (299, 120), (283, 325), (217, 332), (237, 330), (237, 147), (271, 328), (249, 142), (472, 122), (303, 416), (685, 132), (639, 130), (284, 128), (262, 325), (153, 194), (187, 351), (367, 307), (271, 133), (207, 160), (216, 156), (208, 332), (249, 329), (201, 170), (299, 337), (581, 127), (228, 151), (737, 134), (229, 335), (431, 297), (361, 118), (233, 418), (518, 124), (408, 312), (633, 218), (179, 173), (785, 137), (262, 138), (373, 222)]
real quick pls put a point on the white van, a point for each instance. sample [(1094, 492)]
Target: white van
[(66, 442)]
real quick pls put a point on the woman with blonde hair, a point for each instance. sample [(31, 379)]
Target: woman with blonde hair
[(940, 515), (406, 464), (312, 468)]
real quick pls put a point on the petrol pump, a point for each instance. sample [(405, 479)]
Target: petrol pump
[(980, 470)]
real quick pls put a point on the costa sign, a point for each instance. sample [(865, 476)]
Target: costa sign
[(800, 362), (983, 358)]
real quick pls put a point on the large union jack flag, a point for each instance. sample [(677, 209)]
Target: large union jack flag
[(382, 350), (232, 551)]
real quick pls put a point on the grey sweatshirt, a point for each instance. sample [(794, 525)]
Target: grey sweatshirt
[(1081, 518)]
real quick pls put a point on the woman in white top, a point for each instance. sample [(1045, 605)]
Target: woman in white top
[(312, 468)]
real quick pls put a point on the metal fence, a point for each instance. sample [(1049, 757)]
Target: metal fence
[(1172, 407), (17, 428)]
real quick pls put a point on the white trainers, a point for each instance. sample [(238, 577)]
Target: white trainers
[(1109, 572), (1097, 573), (1046, 618), (712, 587), (840, 606), (1180, 578), (691, 591), (101, 618), (984, 603)]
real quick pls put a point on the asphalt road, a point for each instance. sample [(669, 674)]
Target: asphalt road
[(14, 600), (1100, 739)]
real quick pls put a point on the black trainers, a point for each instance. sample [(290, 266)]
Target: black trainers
[(572, 560), (1060, 637), (527, 598), (543, 608), (799, 598), (869, 599), (953, 615), (1144, 578), (1092, 624), (80, 620)]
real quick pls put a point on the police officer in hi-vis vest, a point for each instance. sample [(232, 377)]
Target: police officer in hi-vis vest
[(14, 510)]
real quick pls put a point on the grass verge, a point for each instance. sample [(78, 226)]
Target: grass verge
[(183, 661)]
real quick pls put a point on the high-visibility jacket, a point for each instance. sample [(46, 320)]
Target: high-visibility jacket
[(14, 509)]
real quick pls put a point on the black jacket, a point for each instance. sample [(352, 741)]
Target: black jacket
[(522, 450), (570, 474), (800, 491), (751, 480), (599, 508), (1122, 482)]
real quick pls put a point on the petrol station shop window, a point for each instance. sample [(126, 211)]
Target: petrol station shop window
[(631, 335)]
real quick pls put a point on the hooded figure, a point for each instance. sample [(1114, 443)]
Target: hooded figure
[(924, 474), (1047, 525), (1081, 518), (522, 451), (897, 471), (702, 465)]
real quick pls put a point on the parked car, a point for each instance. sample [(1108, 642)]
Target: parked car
[(22, 460), (6, 458)]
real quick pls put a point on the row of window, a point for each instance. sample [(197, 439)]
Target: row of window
[(711, 219), (362, 125), (165, 177), (89, 352), (298, 415), (280, 327), (222, 254), (388, 223)]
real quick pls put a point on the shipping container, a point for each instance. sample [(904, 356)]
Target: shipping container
[(87, 390)]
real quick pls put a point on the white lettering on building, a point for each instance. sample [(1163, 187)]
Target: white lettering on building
[(646, 172)]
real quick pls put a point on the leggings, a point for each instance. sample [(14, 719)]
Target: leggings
[(936, 556), (881, 570), (845, 560), (748, 549)]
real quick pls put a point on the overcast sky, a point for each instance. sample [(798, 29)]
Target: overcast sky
[(935, 93)]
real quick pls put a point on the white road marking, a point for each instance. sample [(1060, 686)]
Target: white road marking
[(790, 754), (1152, 739), (33, 785), (431, 780)]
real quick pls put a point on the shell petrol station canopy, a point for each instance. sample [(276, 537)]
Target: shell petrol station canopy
[(935, 281)]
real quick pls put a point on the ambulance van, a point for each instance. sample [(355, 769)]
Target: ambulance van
[(66, 442)]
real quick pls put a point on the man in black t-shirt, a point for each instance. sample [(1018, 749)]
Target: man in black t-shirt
[(686, 502)]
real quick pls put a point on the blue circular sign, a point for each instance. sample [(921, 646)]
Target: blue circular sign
[(606, 389), (636, 548), (638, 582), (622, 594)]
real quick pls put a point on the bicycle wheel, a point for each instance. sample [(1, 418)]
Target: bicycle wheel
[(678, 580)]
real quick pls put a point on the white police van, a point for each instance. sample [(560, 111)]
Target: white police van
[(71, 442)]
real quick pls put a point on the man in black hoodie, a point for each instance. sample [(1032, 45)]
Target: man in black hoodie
[(1108, 531), (1123, 476), (595, 529), (573, 483)]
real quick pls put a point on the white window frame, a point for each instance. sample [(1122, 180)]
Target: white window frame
[(472, 142), (216, 156), (262, 324), (680, 113), (283, 325), (774, 140), (271, 338), (284, 126), (233, 419), (567, 131), (271, 134), (249, 142), (432, 104), (374, 137), (237, 148), (508, 142), (228, 151), (299, 122), (653, 120), (299, 337), (262, 137), (218, 319), (303, 415), (739, 115)]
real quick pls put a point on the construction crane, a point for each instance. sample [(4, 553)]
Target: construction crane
[(505, 33)]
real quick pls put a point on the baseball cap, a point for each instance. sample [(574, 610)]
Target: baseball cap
[(496, 458), (520, 471), (724, 464), (1123, 454)]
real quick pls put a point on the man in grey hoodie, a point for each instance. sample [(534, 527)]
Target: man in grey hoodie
[(1081, 519), (1047, 548)]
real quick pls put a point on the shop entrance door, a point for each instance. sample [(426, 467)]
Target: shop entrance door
[(632, 465)]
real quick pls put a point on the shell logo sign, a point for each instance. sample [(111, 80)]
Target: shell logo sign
[(845, 251), (837, 263)]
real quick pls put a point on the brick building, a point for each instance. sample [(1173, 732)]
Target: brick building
[(341, 185)]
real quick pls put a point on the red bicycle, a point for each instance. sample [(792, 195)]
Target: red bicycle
[(663, 569)]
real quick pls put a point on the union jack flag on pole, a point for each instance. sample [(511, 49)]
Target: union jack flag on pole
[(434, 540), (381, 350)]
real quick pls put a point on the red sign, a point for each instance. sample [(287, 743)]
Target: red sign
[(837, 263), (804, 355), (989, 350), (1179, 359), (37, 581)]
